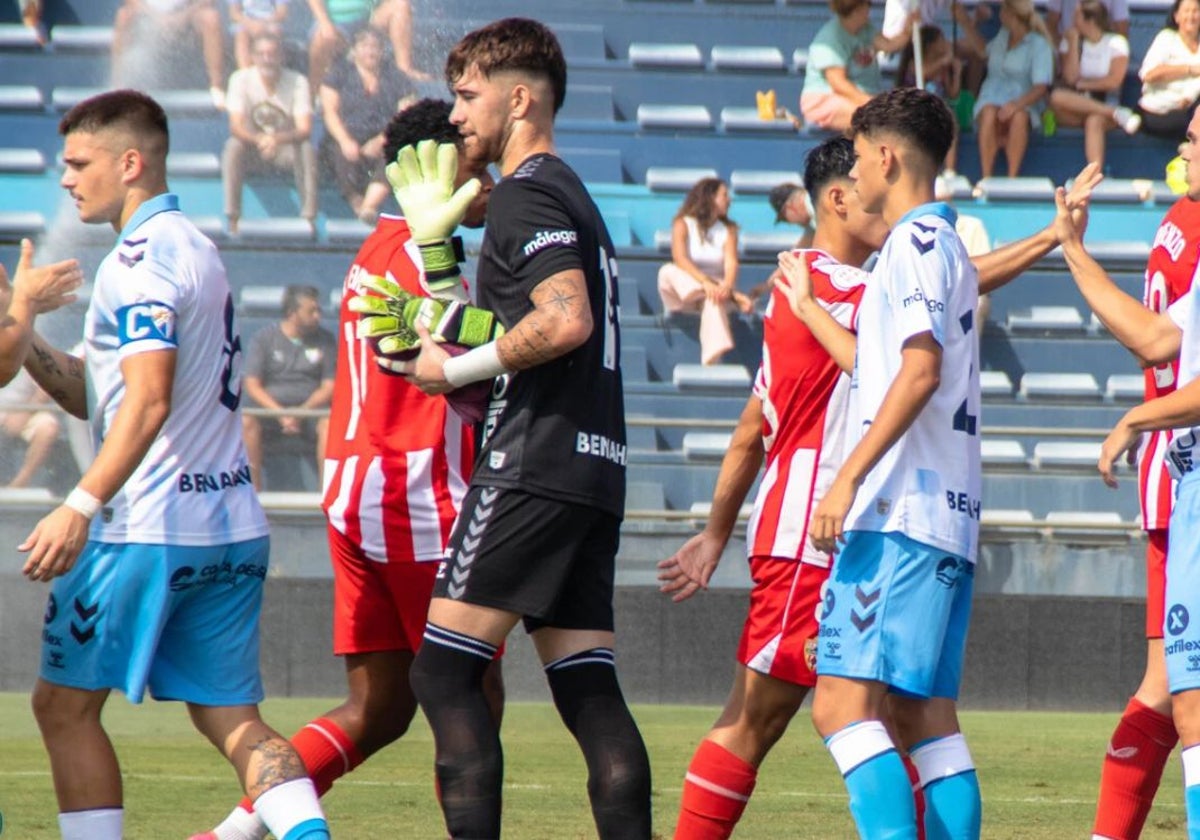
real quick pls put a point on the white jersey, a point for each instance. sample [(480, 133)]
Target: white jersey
[(163, 287), (927, 485)]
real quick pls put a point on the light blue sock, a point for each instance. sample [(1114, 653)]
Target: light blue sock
[(1191, 789), (953, 808), (308, 830), (881, 800)]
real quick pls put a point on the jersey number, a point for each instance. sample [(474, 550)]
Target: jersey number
[(1156, 300), (231, 374), (612, 315)]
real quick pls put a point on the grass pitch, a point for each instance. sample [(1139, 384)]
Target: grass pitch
[(1039, 774)]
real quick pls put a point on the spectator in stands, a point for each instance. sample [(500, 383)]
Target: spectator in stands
[(1020, 64), (941, 72), (31, 16), (142, 22), (842, 71), (251, 18), (1060, 16), (338, 20), (1094, 61), (38, 428), (1170, 73), (270, 123), (290, 365), (791, 205), (702, 274), (358, 97)]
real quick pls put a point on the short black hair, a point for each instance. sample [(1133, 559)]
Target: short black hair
[(295, 293), (131, 110), (919, 118), (425, 119), (831, 160)]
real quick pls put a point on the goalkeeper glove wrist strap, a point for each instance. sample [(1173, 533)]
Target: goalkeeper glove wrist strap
[(474, 366), (441, 258)]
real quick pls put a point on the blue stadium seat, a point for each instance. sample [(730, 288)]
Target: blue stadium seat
[(676, 178), (736, 118), (260, 300), (762, 59), (761, 181), (1121, 190), (645, 495), (1024, 188), (21, 97), (350, 232), (1066, 453), (1047, 319), (193, 165), (20, 223), (1059, 386), (800, 59), (1007, 453), (587, 102), (674, 117), (767, 243), (1125, 387), (995, 383), (277, 229), (705, 446), (693, 377), (16, 36), (83, 38), (674, 56), (22, 161)]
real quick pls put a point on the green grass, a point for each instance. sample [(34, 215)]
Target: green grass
[(1039, 774)]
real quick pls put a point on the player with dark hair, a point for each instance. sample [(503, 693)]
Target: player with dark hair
[(167, 496), (396, 469), (905, 503), (537, 538)]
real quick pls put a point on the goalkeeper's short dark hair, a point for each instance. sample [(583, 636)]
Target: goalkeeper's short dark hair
[(425, 119)]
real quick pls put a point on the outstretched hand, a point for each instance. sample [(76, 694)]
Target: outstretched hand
[(43, 288), (1079, 197), (688, 570)]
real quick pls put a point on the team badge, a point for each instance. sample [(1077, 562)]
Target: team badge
[(810, 653)]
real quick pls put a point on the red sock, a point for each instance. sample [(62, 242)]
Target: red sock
[(715, 792), (1133, 767), (914, 778), (327, 753)]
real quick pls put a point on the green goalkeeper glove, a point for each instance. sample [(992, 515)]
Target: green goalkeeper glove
[(422, 180), (393, 318)]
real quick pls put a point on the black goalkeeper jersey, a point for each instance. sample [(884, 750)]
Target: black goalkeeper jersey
[(556, 430)]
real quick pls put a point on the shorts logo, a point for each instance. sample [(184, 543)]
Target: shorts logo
[(828, 602), (1193, 662), (810, 653), (866, 600), (55, 659), (948, 572), (51, 610), (85, 631), (468, 546), (1177, 619)]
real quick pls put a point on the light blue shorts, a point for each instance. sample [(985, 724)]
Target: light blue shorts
[(1181, 623), (896, 611), (182, 620)]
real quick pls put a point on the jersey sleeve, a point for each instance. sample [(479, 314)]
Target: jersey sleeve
[(536, 233), (147, 303), (918, 283)]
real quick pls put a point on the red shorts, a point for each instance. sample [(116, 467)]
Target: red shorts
[(377, 606), (1156, 581), (780, 636)]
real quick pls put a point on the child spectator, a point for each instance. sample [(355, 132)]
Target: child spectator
[(702, 274)]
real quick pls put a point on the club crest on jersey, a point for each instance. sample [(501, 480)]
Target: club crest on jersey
[(146, 320), (810, 653)]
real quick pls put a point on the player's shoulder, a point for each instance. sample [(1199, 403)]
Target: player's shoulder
[(831, 277)]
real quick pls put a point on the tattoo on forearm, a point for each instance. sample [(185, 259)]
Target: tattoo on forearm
[(277, 762), (45, 360), (74, 367)]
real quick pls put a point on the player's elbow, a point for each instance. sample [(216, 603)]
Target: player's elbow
[(573, 332)]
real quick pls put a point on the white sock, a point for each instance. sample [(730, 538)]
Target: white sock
[(96, 824), (287, 805), (241, 825)]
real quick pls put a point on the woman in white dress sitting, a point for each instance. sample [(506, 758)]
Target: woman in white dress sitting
[(702, 274)]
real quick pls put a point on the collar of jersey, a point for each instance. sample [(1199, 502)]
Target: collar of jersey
[(933, 208), (161, 203)]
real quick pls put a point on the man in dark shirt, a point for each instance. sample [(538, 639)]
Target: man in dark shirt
[(290, 365), (537, 535)]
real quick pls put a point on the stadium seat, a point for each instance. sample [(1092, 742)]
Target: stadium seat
[(675, 56), (995, 383), (710, 377), (1024, 188), (16, 224), (662, 240), (633, 362), (768, 243), (1121, 190), (193, 165), (174, 102), (1125, 387), (958, 187), (761, 59), (1104, 252), (289, 229), (21, 98), (1088, 523), (1002, 452), (1047, 319), (1000, 517), (747, 119), (92, 38), (701, 446), (645, 495), (702, 510), (335, 299), (1065, 453), (37, 496), (260, 300), (676, 178), (17, 36), (1059, 386), (346, 231), (761, 181), (211, 226), (800, 59), (674, 117), (588, 102), (595, 166), (290, 501), (22, 161)]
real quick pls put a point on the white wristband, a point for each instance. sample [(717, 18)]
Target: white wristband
[(473, 366), (83, 502)]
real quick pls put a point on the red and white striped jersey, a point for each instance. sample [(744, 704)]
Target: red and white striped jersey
[(804, 399), (397, 461), (1169, 273)]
